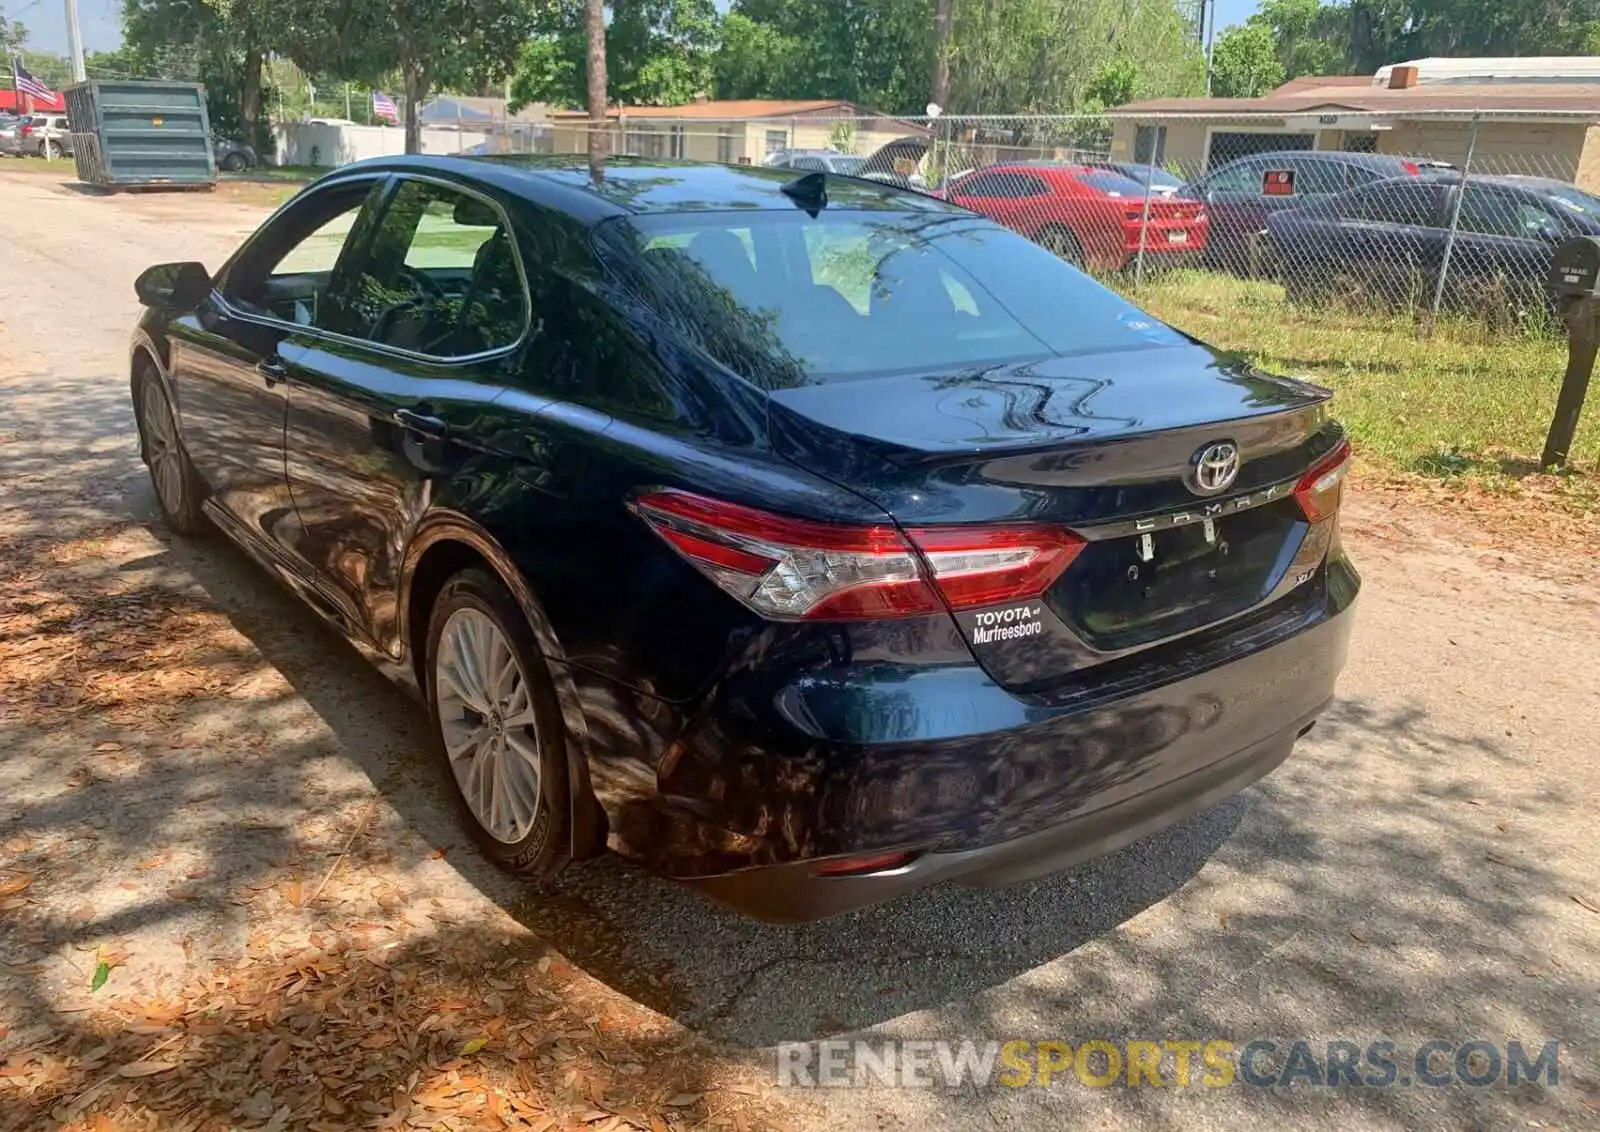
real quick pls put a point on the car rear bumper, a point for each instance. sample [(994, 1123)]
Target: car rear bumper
[(793, 893), (984, 785)]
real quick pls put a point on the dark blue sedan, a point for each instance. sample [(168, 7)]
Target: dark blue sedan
[(803, 538), (1389, 238)]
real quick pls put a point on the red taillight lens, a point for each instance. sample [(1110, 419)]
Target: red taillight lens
[(791, 569), (1410, 167), (24, 131), (1319, 489)]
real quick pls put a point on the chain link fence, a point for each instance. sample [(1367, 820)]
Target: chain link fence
[(1441, 213)]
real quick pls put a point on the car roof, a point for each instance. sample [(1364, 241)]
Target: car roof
[(631, 186)]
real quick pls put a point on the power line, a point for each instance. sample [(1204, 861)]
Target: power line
[(24, 8)]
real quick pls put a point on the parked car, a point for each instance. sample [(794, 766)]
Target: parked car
[(10, 139), (1160, 181), (233, 156), (817, 161), (1239, 205), (1388, 238), (807, 546), (1086, 216), (45, 135)]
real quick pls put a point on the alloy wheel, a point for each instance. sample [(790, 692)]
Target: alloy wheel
[(487, 722), (161, 446)]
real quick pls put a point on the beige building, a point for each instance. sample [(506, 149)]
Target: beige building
[(735, 132), (1535, 121)]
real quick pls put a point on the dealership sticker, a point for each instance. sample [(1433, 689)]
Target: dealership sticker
[(1004, 623)]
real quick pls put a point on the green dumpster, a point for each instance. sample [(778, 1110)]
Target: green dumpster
[(127, 133)]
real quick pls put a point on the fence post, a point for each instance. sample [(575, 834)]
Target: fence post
[(1144, 232), (1455, 214)]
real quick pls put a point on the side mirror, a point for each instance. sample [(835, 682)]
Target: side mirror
[(177, 286)]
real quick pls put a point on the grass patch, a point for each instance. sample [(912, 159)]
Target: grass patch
[(296, 173), (1450, 399)]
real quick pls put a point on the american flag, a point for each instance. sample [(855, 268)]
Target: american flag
[(383, 107), (30, 86)]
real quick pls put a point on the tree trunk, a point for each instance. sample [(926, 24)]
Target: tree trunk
[(595, 25), (941, 54), (250, 103), (416, 84)]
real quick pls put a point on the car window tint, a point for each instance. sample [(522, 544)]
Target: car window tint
[(1491, 212), (1411, 204), (812, 163), (441, 277), (287, 270), (1572, 199), (1242, 178), (848, 294), (1317, 177)]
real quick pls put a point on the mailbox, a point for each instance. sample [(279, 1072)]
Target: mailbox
[(1575, 271)]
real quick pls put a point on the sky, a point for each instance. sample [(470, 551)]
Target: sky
[(101, 22)]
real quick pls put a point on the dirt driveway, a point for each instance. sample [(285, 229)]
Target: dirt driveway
[(209, 805)]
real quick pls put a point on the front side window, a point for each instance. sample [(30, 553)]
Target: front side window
[(287, 270), (1242, 178), (1489, 212), (441, 277), (1406, 203), (786, 299)]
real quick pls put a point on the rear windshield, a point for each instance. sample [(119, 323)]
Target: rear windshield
[(1156, 178), (786, 299), (849, 166), (1112, 184)]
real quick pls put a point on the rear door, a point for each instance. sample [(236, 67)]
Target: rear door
[(389, 395), (228, 359), (1388, 235)]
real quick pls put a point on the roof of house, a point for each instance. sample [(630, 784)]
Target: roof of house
[(1502, 99), (747, 109), (1311, 82)]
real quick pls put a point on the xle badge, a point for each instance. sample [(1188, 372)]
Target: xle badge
[(1004, 623)]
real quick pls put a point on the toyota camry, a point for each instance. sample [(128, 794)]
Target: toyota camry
[(803, 538)]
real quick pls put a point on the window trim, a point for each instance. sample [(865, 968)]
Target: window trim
[(392, 182)]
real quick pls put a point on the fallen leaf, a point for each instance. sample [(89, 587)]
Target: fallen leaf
[(19, 844), (145, 1068), (107, 745), (473, 1046), (153, 863), (377, 1041), (102, 972), (11, 885), (1585, 902), (293, 893), (182, 894), (1476, 802), (683, 1100), (275, 1059), (1357, 936), (1224, 919)]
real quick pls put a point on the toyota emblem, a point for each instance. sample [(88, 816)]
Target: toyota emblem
[(1216, 466)]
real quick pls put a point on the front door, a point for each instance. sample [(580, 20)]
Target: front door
[(387, 402), (228, 358)]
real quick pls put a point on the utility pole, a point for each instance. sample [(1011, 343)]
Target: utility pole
[(75, 42), (1209, 27), (940, 93)]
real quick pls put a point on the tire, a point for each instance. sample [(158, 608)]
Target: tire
[(235, 163), (506, 724), (177, 486), (1062, 242), (47, 149)]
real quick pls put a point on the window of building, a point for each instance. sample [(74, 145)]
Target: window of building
[(1150, 145), (677, 142), (776, 140), (725, 146)]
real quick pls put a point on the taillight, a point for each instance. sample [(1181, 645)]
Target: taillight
[(24, 131), (1319, 489), (1410, 167), (793, 569)]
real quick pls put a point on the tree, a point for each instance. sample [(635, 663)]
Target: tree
[(1244, 63), (594, 21), (941, 53), (12, 36), (1308, 36)]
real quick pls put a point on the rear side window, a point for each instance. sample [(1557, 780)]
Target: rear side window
[(1412, 204), (1317, 177), (1005, 185), (1491, 212), (785, 299)]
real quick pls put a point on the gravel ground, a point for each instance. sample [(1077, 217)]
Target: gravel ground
[(1424, 867)]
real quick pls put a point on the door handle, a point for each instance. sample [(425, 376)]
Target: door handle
[(272, 371), (422, 424)]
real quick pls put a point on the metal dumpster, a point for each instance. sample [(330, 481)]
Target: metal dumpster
[(127, 134)]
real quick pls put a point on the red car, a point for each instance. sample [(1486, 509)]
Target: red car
[(1092, 217)]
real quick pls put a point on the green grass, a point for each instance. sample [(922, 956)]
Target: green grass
[(1452, 400), (279, 173)]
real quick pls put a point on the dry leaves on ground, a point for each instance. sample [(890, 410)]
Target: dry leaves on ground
[(350, 1032)]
